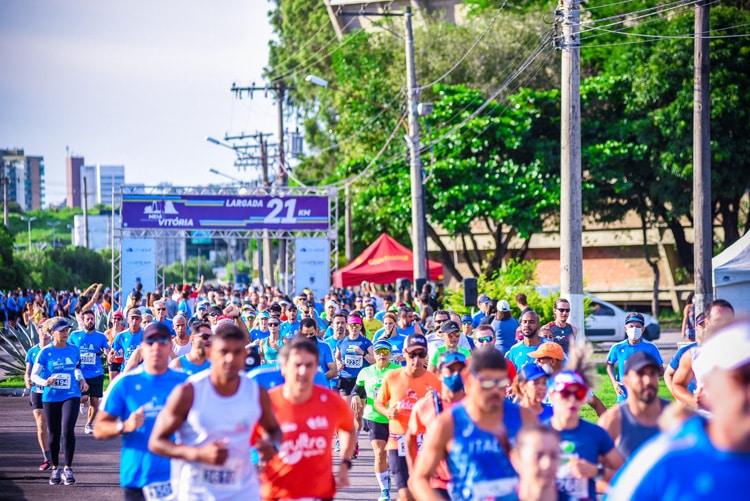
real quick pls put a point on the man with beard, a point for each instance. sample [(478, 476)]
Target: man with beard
[(475, 437), (634, 421), (518, 355), (562, 332), (92, 345), (196, 360)]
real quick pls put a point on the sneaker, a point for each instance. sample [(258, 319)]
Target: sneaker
[(68, 477), (56, 477), (47, 465), (385, 495), (356, 451), (336, 445), (88, 429), (83, 409)]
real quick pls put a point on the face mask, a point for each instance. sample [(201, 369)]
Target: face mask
[(547, 368), (634, 333), (454, 382)]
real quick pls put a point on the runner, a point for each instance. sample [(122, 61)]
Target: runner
[(309, 415), (530, 386), (271, 345), (401, 390), (91, 344), (369, 381), (196, 360), (181, 339), (562, 332), (475, 437), (213, 445), (308, 327), (130, 410), (114, 360), (389, 333), (56, 369), (128, 340), (429, 407), (536, 458), (451, 333), (35, 395)]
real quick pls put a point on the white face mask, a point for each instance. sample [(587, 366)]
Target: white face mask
[(634, 333)]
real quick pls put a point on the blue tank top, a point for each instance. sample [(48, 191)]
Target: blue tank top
[(561, 335), (478, 463), (190, 368)]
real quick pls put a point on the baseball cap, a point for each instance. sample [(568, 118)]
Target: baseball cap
[(484, 299), (639, 360), (414, 341), (58, 324), (264, 314), (466, 319), (448, 327), (134, 312), (503, 305), (552, 350), (563, 379), (215, 310), (727, 349), (449, 358), (634, 317), (530, 372), (354, 319), (223, 319), (156, 330), (382, 344), (330, 303), (118, 314)]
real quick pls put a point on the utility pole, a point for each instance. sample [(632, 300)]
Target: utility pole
[(4, 179), (348, 236), (417, 198), (571, 212), (85, 213), (267, 248), (703, 238)]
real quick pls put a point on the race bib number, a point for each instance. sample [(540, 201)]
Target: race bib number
[(62, 382), (353, 361), (494, 489), (225, 477), (88, 358), (573, 487), (158, 491), (402, 444)]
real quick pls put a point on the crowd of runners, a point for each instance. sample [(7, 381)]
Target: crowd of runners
[(243, 394)]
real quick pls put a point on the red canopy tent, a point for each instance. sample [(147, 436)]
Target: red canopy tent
[(383, 262)]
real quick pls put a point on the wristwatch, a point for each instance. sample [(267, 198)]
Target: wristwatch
[(120, 427), (347, 462)]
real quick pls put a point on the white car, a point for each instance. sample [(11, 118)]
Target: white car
[(607, 322)]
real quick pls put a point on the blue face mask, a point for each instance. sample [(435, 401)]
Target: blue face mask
[(454, 382)]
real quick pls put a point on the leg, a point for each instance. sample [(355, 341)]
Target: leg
[(69, 418), (53, 413), (42, 434), (95, 393), (400, 472)]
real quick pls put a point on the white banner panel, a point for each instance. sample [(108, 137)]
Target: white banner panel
[(312, 268), (138, 264)]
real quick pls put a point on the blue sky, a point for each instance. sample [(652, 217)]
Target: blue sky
[(138, 83)]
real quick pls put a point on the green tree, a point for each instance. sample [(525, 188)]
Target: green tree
[(10, 271)]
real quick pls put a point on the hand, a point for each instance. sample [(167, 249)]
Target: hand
[(356, 404), (134, 421), (619, 388), (51, 380), (340, 365), (84, 385), (214, 453), (266, 450), (27, 381), (580, 468), (393, 412), (342, 479), (231, 311)]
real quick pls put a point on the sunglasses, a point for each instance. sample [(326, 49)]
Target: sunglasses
[(214, 314), (160, 340), (161, 309), (466, 322), (564, 310), (484, 339), (417, 354), (273, 324), (383, 351), (205, 337), (579, 393), (490, 383), (454, 334)]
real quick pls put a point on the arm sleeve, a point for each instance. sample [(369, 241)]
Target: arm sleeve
[(611, 357), (36, 375), (359, 389)]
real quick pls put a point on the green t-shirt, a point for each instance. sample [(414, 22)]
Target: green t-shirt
[(372, 379), (436, 356)]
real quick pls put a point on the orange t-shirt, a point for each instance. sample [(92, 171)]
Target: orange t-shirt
[(398, 388), (303, 468)]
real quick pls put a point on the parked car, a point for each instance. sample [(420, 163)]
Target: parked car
[(607, 322)]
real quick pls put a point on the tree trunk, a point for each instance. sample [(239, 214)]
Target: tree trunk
[(467, 256), (684, 248), (653, 263), (445, 256), (730, 220)]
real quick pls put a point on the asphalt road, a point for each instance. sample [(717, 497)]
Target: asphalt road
[(96, 463)]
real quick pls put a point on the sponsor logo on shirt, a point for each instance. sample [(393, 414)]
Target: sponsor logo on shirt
[(305, 445), (317, 423)]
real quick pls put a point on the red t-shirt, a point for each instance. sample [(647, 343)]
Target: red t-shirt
[(303, 468)]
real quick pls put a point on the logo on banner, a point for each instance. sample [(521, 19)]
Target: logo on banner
[(162, 212)]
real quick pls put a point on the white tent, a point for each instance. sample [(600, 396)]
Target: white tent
[(732, 275)]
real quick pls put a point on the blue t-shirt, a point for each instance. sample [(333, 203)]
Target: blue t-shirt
[(269, 376), (190, 368), (659, 470), (289, 329), (326, 355), (352, 360), (62, 363), (405, 332), (505, 333), (477, 319), (127, 342), (128, 392), (30, 359), (91, 347), (620, 352), (519, 353), (586, 441), (675, 362), (256, 334), (397, 344), (168, 324)]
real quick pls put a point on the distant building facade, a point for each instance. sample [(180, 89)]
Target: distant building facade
[(95, 183), (24, 176)]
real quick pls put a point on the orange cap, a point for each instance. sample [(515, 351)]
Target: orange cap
[(551, 349)]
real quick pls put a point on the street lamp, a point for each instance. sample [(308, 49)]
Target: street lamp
[(29, 220), (54, 225)]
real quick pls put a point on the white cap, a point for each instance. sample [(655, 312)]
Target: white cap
[(333, 303), (503, 305), (727, 349)]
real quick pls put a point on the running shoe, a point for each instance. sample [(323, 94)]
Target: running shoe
[(83, 409), (56, 477), (336, 445), (47, 465), (356, 451), (385, 495), (88, 429), (68, 477)]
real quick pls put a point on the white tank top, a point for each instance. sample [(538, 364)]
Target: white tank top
[(213, 417)]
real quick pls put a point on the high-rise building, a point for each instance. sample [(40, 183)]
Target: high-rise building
[(25, 178), (73, 174)]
